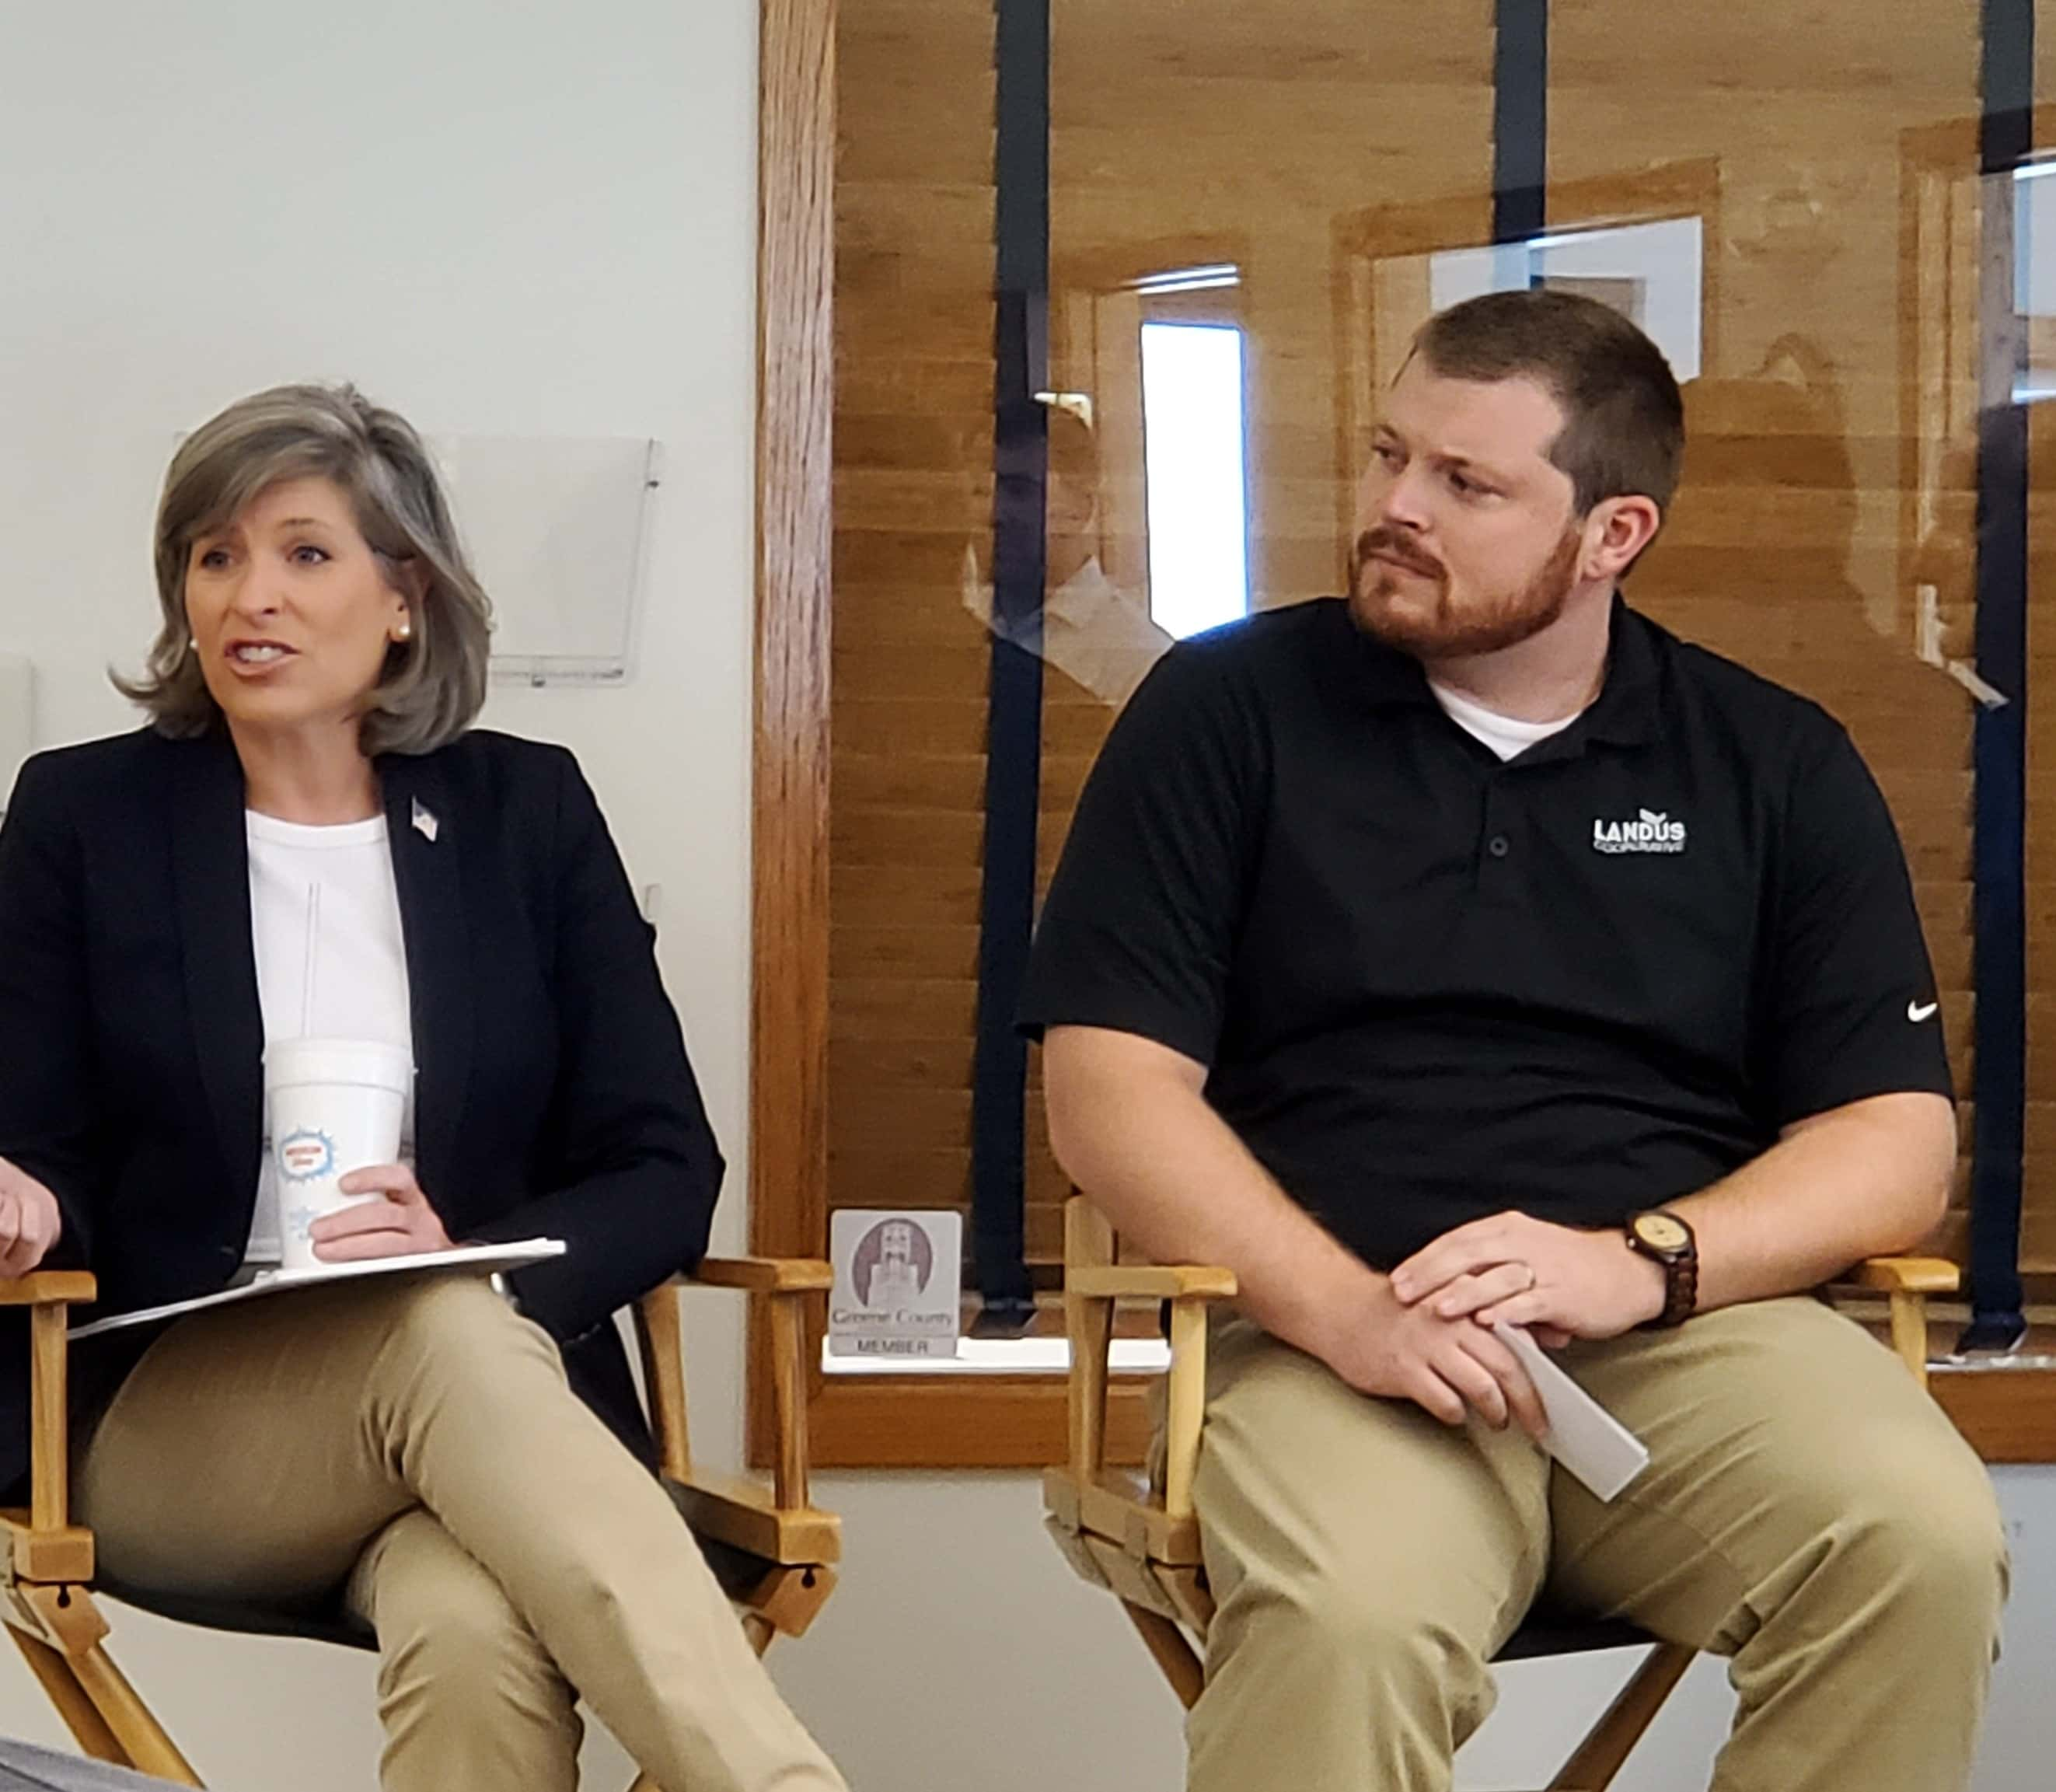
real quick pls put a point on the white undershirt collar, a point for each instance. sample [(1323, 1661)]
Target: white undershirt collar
[(1506, 735)]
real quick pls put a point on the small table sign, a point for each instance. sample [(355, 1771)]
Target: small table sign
[(898, 1283)]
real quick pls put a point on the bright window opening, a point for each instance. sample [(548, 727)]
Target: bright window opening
[(2034, 279), (1194, 463)]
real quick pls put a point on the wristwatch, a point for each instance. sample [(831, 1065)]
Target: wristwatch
[(1665, 1238)]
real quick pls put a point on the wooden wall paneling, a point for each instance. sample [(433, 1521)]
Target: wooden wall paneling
[(990, 1422), (912, 196), (1943, 205), (2045, 62), (1186, 123), (1243, 129), (2037, 1253), (2007, 1415), (1840, 367), (2038, 1191), (914, 496), (1156, 110)]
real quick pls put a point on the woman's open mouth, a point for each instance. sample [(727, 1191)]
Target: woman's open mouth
[(248, 657)]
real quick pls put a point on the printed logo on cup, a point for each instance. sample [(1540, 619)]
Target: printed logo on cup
[(333, 1106), (898, 1284), (305, 1155)]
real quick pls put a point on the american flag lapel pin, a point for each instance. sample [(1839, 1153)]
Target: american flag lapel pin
[(424, 822)]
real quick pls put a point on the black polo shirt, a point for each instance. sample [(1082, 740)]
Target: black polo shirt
[(1428, 986)]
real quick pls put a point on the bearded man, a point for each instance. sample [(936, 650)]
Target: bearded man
[(1469, 952)]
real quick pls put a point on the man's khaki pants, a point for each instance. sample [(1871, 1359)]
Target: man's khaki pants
[(415, 1439), (1807, 1511)]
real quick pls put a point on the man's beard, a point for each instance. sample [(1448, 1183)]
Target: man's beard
[(1443, 630)]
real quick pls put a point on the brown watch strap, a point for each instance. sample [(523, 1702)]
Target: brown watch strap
[(1680, 1290)]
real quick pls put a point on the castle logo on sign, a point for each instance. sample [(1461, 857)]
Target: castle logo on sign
[(1651, 831), (898, 1284)]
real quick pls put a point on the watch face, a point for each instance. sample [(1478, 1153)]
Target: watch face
[(1660, 1231)]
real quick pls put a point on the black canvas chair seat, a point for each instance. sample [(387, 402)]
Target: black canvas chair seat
[(1549, 1632), (329, 1620)]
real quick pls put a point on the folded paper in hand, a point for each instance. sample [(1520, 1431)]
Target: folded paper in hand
[(1587, 1439)]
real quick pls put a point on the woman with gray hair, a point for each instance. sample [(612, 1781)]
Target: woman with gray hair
[(310, 840)]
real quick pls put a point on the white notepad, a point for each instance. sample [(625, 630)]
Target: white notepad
[(486, 1257), (1587, 1439)]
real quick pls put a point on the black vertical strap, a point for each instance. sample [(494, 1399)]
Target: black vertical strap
[(1519, 120), (2000, 749), (1013, 725)]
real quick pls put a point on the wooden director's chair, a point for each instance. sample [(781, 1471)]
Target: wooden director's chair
[(1139, 1538), (772, 1550)]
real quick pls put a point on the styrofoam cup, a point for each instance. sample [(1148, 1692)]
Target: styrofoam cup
[(335, 1106)]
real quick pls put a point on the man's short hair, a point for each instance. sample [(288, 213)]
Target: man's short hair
[(1623, 430)]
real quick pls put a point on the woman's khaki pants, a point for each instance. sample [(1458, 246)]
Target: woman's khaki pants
[(414, 1439)]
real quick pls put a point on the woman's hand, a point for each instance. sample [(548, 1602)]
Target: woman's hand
[(400, 1224), (30, 1221)]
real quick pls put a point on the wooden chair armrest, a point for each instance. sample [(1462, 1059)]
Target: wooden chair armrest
[(1092, 1282), (745, 1515), (1151, 1282), (1908, 1281), (1185, 1406), (784, 1280), (44, 1288), (45, 1557), (1185, 1390), (1906, 1275), (48, 1293), (660, 1337), (765, 1275)]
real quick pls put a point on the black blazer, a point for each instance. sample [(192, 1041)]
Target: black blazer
[(552, 1093)]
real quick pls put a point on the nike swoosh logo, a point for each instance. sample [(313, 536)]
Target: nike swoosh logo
[(1917, 1010)]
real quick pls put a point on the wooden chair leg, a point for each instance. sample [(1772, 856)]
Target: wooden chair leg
[(1909, 1331), (1173, 1652), (94, 1696), (1599, 1758), (81, 1718), (134, 1727)]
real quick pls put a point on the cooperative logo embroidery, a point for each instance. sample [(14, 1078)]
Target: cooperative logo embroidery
[(1650, 831)]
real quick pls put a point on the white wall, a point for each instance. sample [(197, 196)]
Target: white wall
[(540, 221)]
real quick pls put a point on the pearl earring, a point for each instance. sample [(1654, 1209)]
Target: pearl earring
[(406, 631)]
